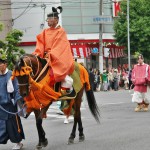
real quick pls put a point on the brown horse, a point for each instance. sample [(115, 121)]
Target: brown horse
[(29, 71)]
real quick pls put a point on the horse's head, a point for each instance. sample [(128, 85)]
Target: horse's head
[(22, 72), (28, 66)]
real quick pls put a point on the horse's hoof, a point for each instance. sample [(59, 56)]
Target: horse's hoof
[(38, 147), (41, 144), (70, 141), (44, 143), (81, 138)]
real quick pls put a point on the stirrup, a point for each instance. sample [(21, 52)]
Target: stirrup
[(71, 95)]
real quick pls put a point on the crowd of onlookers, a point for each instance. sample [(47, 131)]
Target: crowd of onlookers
[(111, 79)]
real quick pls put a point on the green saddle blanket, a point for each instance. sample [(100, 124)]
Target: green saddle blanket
[(76, 78)]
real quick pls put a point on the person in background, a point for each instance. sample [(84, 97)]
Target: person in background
[(96, 79), (125, 79), (92, 78), (10, 124), (140, 78), (105, 80), (110, 79), (130, 79), (116, 79)]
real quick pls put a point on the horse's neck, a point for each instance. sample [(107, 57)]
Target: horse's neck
[(39, 71), (42, 73)]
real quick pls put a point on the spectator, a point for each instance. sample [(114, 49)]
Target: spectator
[(129, 78), (92, 78), (110, 79), (97, 79), (105, 80), (115, 79), (125, 79)]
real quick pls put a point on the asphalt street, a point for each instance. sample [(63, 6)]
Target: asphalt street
[(120, 127)]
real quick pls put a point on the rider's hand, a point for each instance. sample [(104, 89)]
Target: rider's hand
[(46, 56)]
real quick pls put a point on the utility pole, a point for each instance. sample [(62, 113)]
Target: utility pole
[(101, 39), (128, 29)]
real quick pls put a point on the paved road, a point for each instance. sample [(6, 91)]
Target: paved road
[(120, 129)]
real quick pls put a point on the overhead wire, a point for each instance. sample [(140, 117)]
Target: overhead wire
[(50, 3), (23, 11), (34, 4)]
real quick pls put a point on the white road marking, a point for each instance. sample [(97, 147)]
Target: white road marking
[(115, 103)]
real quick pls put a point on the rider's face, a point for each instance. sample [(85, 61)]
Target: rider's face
[(52, 21)]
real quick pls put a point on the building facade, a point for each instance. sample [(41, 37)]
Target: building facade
[(77, 18), (5, 17)]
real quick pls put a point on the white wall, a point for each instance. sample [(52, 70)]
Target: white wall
[(5, 18), (31, 16), (28, 49), (28, 18)]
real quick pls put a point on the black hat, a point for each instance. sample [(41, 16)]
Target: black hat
[(55, 12)]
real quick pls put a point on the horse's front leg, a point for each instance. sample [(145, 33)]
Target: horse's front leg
[(43, 142)]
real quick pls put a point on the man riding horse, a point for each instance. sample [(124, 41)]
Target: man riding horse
[(53, 45), (37, 88)]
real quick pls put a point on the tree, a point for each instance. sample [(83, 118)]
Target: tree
[(139, 26), (1, 26), (11, 46)]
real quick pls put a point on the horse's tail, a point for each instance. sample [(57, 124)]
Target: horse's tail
[(84, 76), (93, 105)]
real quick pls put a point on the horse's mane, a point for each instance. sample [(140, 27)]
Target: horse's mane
[(20, 63)]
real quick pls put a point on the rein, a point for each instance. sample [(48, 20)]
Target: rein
[(27, 70), (23, 84), (42, 71), (45, 67), (12, 113)]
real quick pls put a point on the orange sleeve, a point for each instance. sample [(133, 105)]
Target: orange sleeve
[(60, 55), (40, 43)]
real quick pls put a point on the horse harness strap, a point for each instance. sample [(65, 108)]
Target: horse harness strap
[(38, 67), (45, 67), (34, 75)]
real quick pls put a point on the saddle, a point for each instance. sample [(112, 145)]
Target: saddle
[(76, 85)]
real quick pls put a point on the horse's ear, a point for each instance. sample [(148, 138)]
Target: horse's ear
[(19, 64), (14, 61), (21, 61)]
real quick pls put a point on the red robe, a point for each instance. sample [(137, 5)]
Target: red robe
[(140, 72), (54, 42)]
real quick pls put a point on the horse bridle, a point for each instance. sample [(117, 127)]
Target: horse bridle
[(34, 75), (30, 64), (24, 84)]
